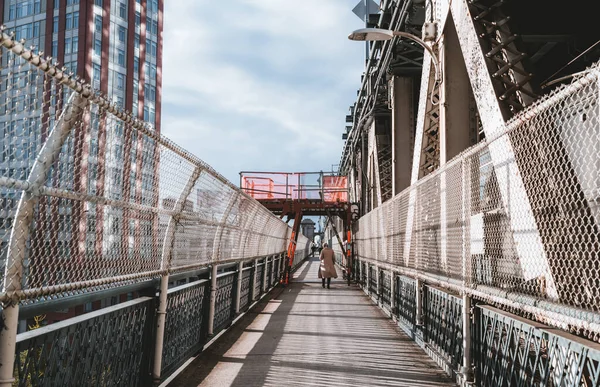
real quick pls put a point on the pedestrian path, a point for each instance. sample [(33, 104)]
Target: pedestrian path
[(305, 335)]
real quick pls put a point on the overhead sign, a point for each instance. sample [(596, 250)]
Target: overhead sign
[(364, 8)]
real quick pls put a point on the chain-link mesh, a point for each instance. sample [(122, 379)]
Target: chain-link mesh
[(513, 220), (92, 197)]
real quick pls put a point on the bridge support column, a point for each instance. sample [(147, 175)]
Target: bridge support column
[(403, 123), (467, 369), (418, 302), (238, 293), (213, 299)]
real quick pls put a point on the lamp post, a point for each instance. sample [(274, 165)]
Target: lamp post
[(381, 34)]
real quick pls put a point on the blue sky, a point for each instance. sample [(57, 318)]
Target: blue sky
[(260, 84)]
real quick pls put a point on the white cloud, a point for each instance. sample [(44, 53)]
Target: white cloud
[(259, 84)]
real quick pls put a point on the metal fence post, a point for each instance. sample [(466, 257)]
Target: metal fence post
[(366, 286), (167, 253), (265, 286), (418, 302), (213, 299), (392, 292), (17, 245), (467, 370), (238, 294), (254, 278)]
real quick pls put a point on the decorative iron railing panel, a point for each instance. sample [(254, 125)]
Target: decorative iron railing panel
[(363, 279), (269, 269), (224, 312), (443, 321), (276, 264), (109, 347), (373, 281), (258, 286), (386, 288), (186, 327), (406, 300), (247, 284), (512, 351)]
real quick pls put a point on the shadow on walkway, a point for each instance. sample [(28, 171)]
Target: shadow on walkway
[(305, 335)]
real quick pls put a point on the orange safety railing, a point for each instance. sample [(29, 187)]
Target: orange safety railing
[(330, 188)]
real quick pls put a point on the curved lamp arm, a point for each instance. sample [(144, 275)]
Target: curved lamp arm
[(372, 34)]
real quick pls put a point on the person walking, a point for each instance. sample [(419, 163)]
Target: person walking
[(327, 266)]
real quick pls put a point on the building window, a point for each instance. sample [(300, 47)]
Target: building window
[(121, 57), (67, 46), (136, 41), (120, 81), (55, 25), (152, 48), (96, 76), (36, 29), (138, 19), (98, 47), (69, 21), (98, 3), (122, 34), (75, 19), (150, 93), (98, 24), (123, 10), (75, 41), (136, 66), (54, 48)]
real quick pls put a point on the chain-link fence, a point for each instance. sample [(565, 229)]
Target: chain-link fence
[(513, 221), (92, 197)]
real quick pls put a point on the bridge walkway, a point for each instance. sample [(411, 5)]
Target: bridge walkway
[(305, 335)]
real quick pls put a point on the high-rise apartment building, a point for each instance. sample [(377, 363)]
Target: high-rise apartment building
[(116, 46)]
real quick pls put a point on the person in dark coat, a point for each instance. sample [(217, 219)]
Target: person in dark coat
[(327, 266)]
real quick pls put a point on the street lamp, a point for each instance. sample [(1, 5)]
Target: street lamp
[(381, 34)]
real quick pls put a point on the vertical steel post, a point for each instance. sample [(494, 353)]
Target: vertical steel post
[(17, 245), (265, 286), (213, 299), (467, 370), (238, 293), (167, 253), (254, 278), (367, 287), (418, 302), (392, 292)]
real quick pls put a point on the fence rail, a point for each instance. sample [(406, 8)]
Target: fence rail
[(512, 221), (93, 200), (92, 197)]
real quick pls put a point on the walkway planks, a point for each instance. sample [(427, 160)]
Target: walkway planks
[(308, 336)]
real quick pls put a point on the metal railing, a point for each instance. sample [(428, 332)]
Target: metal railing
[(94, 201), (512, 221)]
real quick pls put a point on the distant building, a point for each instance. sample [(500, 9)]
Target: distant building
[(116, 46), (308, 228)]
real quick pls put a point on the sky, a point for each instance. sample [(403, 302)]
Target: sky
[(260, 85)]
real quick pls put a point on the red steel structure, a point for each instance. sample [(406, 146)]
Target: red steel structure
[(299, 194)]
